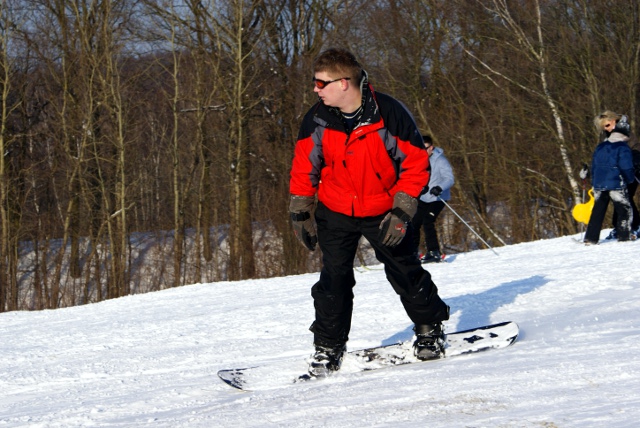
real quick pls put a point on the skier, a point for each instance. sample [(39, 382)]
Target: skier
[(430, 204), (611, 173), (360, 153)]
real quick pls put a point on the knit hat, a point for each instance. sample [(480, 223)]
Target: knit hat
[(622, 126)]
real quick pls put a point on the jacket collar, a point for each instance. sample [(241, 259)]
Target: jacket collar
[(616, 137), (331, 117)]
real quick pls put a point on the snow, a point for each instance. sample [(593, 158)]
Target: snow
[(151, 359)]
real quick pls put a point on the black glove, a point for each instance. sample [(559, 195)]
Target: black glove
[(304, 224), (584, 172), (436, 191), (393, 227), (622, 126)]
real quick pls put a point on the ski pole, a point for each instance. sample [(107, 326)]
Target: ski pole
[(467, 224), (584, 187), (584, 173)]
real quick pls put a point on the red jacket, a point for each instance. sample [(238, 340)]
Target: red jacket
[(360, 173)]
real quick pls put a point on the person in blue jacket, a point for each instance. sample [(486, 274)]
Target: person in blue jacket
[(611, 173), (430, 203), (632, 187)]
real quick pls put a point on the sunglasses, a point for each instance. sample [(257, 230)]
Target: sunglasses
[(321, 84)]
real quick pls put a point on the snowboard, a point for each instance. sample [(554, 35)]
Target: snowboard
[(289, 371)]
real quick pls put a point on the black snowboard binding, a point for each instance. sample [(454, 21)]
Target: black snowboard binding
[(429, 344), (326, 360)]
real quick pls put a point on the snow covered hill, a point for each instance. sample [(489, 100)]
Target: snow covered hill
[(151, 359)]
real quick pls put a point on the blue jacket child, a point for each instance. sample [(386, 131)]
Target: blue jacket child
[(612, 164), (611, 172)]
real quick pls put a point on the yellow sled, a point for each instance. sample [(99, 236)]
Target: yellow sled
[(582, 212)]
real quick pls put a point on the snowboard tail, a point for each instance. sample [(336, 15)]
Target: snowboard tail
[(480, 339)]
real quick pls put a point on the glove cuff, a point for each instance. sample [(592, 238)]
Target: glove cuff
[(398, 212), (300, 216), (301, 204), (407, 204)]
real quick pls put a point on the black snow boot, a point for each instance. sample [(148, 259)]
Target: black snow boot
[(432, 257), (429, 344), (326, 360)]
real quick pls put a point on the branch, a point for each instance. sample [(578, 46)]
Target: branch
[(219, 107)]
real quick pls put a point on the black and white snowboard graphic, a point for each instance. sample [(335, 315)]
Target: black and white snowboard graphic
[(290, 371)]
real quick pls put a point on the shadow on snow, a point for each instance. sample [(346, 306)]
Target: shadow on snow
[(477, 308)]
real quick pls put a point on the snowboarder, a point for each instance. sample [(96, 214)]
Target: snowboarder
[(360, 153)]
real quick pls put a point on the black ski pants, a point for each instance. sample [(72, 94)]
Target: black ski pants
[(635, 224), (338, 237), (426, 217), (621, 206)]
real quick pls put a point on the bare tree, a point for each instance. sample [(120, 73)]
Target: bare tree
[(182, 126), (9, 206), (239, 27), (532, 46), (296, 31)]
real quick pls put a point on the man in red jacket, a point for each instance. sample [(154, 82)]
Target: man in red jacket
[(360, 153)]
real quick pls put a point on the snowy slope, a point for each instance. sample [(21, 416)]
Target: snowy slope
[(151, 360)]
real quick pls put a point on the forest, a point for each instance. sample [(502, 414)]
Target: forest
[(146, 144)]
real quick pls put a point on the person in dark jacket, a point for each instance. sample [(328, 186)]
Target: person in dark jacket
[(360, 153), (611, 173), (632, 188), (431, 204)]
